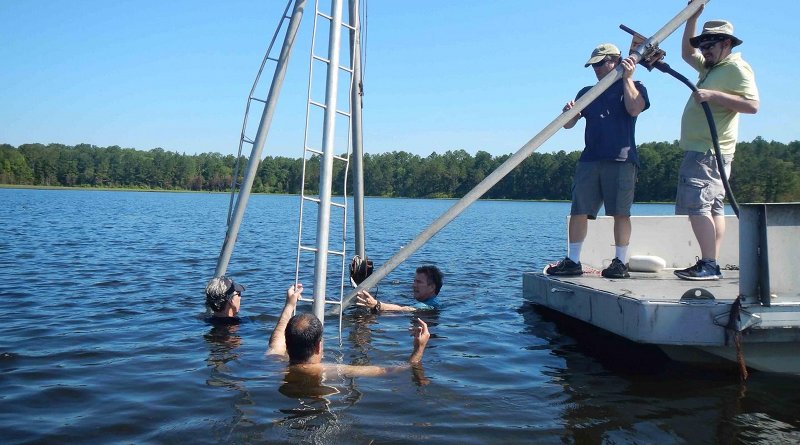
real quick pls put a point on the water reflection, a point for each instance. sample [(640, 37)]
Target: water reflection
[(223, 343), (312, 410), (361, 324), (317, 402), (616, 391), (319, 399)]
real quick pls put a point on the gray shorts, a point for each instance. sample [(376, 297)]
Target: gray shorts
[(608, 183), (700, 188)]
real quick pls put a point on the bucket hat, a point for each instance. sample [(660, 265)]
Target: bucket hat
[(716, 30)]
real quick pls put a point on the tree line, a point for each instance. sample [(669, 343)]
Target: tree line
[(763, 171)]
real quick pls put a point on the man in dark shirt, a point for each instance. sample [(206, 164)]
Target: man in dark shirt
[(606, 171)]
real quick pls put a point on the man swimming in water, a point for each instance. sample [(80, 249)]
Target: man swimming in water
[(426, 287), (300, 338)]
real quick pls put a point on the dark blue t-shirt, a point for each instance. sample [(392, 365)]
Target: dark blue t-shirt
[(609, 128)]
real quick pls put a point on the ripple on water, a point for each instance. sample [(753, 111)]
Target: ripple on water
[(105, 339)]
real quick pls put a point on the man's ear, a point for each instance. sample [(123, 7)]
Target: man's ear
[(318, 347)]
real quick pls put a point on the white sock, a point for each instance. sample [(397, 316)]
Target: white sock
[(574, 252), (622, 253)]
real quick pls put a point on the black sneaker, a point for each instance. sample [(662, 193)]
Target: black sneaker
[(565, 268), (704, 270), (617, 269)]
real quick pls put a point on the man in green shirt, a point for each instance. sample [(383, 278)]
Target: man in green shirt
[(728, 84)]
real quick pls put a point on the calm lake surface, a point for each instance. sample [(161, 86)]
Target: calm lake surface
[(104, 339)]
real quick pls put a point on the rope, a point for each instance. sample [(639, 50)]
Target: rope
[(732, 328)]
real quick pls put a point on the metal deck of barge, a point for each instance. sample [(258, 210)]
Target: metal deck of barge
[(687, 319)]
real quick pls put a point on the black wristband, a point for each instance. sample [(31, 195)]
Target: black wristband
[(377, 308)]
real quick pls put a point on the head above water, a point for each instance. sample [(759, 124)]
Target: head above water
[(427, 282), (303, 338), (220, 291)]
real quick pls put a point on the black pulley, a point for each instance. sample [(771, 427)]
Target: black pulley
[(360, 269)]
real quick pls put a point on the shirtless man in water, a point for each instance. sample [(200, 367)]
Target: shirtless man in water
[(300, 337)]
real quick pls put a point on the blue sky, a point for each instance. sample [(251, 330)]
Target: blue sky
[(444, 75)]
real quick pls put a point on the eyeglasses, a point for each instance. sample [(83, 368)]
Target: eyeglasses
[(705, 46), (599, 64)]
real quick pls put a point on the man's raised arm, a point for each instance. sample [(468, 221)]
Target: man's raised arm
[(421, 336), (277, 342)]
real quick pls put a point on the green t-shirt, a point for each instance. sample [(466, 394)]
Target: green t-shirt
[(732, 75)]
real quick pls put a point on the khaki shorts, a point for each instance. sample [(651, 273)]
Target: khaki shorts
[(608, 183), (700, 188)]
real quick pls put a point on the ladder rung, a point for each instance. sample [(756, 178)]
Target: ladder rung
[(343, 113), (312, 102), (344, 68), (321, 59), (340, 158), (339, 204), (314, 150), (346, 25), (308, 198), (258, 100), (326, 301), (314, 249), (272, 58), (247, 139)]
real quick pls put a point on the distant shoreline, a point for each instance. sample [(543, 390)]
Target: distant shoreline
[(123, 189)]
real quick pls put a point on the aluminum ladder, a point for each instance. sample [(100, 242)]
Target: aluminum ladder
[(320, 161)]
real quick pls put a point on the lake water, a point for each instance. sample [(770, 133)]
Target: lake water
[(104, 339)]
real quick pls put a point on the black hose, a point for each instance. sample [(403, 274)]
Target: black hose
[(664, 67)]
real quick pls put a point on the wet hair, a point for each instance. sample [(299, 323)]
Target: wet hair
[(433, 274), (303, 334)]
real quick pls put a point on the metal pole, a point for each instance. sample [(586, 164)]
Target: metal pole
[(261, 137), (326, 167), (356, 130), (519, 156)]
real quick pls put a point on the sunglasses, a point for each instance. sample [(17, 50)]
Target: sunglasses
[(705, 46), (599, 64)]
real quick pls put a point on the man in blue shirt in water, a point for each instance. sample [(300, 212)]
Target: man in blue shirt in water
[(606, 171), (426, 287)]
